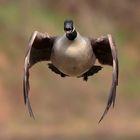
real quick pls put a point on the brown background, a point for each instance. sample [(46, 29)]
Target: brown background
[(69, 108)]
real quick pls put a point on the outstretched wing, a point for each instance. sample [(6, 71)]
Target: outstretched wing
[(39, 49), (106, 53)]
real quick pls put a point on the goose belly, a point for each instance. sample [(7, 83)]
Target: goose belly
[(73, 60)]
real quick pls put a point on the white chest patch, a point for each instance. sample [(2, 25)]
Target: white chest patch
[(73, 57)]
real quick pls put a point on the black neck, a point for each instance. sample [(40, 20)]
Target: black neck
[(72, 35)]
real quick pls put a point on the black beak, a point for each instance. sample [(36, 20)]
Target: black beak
[(68, 26)]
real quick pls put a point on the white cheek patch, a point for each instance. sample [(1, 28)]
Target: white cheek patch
[(71, 31)]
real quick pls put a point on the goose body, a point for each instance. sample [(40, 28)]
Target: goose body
[(73, 58), (71, 55)]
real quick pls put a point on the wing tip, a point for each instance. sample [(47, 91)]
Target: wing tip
[(26, 88), (111, 102), (27, 102), (30, 108), (105, 112)]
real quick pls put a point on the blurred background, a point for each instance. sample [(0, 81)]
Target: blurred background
[(69, 108)]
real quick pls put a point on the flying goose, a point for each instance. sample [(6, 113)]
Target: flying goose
[(71, 55)]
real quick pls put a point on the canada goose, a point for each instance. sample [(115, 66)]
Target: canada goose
[(71, 55)]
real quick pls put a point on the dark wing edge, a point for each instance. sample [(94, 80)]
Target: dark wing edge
[(26, 88), (32, 57), (26, 85), (115, 72)]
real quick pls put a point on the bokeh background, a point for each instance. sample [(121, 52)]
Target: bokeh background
[(69, 108)]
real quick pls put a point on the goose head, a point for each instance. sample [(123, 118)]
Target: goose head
[(69, 29)]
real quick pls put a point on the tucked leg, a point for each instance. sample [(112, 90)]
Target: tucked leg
[(91, 72), (55, 70)]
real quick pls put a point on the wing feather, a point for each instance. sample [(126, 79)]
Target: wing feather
[(39, 49), (106, 53)]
